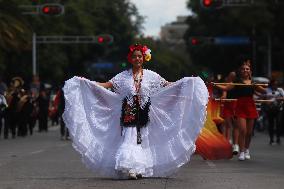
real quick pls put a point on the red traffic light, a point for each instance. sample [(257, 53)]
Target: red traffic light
[(52, 9), (215, 4), (201, 40), (207, 3), (194, 41), (46, 10), (104, 39), (101, 39)]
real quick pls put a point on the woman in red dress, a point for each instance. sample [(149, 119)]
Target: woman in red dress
[(228, 114), (246, 111)]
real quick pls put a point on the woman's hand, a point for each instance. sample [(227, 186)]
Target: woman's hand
[(105, 85), (82, 78), (168, 83)]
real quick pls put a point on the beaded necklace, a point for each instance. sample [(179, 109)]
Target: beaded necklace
[(137, 80)]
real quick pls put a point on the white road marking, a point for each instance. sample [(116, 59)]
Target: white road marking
[(37, 152), (62, 145), (210, 164)]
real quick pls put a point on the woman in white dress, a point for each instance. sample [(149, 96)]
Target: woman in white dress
[(147, 127)]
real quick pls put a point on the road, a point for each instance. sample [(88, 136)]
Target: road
[(43, 161)]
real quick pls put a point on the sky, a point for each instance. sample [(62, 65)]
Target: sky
[(159, 12)]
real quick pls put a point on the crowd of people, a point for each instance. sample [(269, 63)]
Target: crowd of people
[(25, 106)]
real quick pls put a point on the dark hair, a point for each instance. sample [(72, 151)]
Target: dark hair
[(136, 47)]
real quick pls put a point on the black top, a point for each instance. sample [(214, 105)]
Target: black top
[(231, 94), (242, 91)]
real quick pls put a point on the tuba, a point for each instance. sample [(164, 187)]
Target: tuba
[(16, 85)]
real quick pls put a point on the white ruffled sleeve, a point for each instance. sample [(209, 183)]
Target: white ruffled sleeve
[(119, 82), (177, 115), (92, 115)]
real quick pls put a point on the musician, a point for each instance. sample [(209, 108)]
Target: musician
[(11, 113)]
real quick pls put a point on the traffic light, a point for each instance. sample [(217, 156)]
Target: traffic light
[(201, 40), (104, 39), (212, 4), (194, 41), (123, 64), (51, 9)]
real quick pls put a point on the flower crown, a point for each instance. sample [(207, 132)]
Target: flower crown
[(146, 52)]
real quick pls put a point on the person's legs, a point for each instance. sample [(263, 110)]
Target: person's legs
[(271, 127), (228, 126), (67, 133), (235, 136), (13, 125), (30, 125), (6, 126), (242, 134), (278, 127), (249, 130), (0, 123), (249, 134), (45, 123), (62, 129)]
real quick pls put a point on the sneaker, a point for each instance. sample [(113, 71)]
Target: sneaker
[(235, 149), (132, 176), (278, 141), (247, 155), (139, 176), (242, 156)]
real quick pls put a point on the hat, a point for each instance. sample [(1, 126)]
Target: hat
[(18, 80)]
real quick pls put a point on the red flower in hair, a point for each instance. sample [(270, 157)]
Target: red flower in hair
[(137, 47), (144, 49), (131, 48)]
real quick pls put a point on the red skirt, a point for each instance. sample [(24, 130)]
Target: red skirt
[(245, 108), (229, 109)]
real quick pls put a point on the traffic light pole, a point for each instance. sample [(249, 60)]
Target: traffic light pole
[(218, 4), (34, 55), (254, 49), (269, 63), (51, 9), (100, 39)]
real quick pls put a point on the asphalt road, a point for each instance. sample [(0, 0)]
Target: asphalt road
[(43, 161)]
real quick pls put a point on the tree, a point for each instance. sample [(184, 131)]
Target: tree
[(15, 34), (57, 62), (254, 21)]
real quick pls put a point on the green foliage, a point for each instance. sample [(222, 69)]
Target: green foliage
[(15, 33), (57, 62)]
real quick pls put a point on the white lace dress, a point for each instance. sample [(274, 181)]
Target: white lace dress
[(177, 114)]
